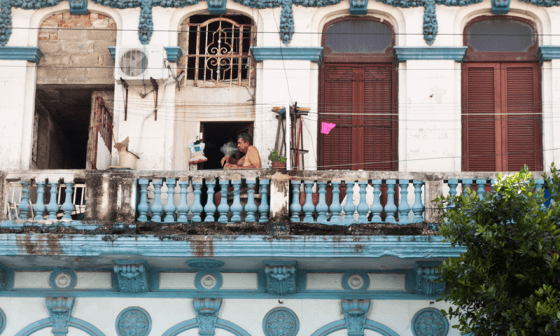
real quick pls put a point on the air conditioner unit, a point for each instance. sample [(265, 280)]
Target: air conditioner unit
[(136, 64)]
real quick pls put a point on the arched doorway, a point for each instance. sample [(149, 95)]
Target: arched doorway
[(502, 118), (358, 94)]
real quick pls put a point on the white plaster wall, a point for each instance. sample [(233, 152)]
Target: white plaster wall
[(247, 314)]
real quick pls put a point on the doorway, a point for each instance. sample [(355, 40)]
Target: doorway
[(215, 135)]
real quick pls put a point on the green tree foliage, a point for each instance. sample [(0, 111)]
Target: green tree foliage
[(508, 281)]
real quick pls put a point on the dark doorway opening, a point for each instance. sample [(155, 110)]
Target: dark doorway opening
[(215, 135), (62, 121)]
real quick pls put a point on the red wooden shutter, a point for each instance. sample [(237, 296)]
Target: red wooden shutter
[(378, 119), (523, 127), (481, 128), (336, 105)]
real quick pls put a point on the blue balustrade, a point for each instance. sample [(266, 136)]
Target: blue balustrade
[(143, 206), (210, 207), (390, 208), (480, 183), (250, 207), (197, 206), (68, 206), (52, 207), (418, 207), (264, 208), (467, 183), (322, 206), (295, 207), (308, 207), (349, 207), (335, 207), (376, 207), (40, 205), (404, 208), (236, 206), (170, 204), (362, 208), (24, 203), (183, 207), (223, 208), (157, 208)]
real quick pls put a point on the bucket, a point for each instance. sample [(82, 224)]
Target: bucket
[(127, 159)]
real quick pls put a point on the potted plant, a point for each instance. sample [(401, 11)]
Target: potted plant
[(278, 161)]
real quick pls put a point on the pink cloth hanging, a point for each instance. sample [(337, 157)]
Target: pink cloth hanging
[(327, 127)]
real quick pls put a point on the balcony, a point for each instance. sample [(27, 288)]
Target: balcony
[(229, 202)]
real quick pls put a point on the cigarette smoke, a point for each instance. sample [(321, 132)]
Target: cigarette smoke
[(229, 148)]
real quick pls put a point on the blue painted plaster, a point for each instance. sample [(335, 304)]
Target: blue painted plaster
[(216, 274), (174, 54), (78, 7), (358, 7), (313, 54), (341, 324), (30, 54), (404, 54), (546, 53), (364, 276), (59, 270), (205, 263), (271, 323), (74, 322), (423, 247), (192, 323), (3, 321), (216, 7), (417, 322), (122, 315), (500, 7), (113, 51)]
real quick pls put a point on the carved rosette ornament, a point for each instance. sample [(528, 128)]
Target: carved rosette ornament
[(133, 322), (280, 322), (60, 310), (355, 313), (2, 321), (280, 277), (426, 284), (430, 322), (207, 315), (132, 276)]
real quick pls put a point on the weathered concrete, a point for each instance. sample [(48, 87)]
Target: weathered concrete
[(111, 197), (2, 195)]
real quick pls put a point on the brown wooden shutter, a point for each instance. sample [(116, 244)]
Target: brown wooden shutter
[(336, 147), (360, 100), (378, 135), (501, 117), (481, 97), (520, 82)]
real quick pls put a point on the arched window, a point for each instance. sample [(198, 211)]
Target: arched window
[(358, 94), (502, 129)]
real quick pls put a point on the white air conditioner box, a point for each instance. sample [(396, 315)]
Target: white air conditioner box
[(136, 64)]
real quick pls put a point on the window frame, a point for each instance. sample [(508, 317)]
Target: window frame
[(501, 56)]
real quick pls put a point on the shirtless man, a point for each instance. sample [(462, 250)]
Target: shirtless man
[(251, 160)]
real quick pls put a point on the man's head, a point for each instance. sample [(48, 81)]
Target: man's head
[(244, 140)]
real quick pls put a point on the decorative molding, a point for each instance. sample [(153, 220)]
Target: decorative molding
[(60, 311), (280, 322), (500, 7), (355, 281), (429, 322), (207, 315), (330, 328), (216, 6), (545, 53), (208, 280), (205, 263), (426, 279), (404, 54), (174, 54), (84, 326), (3, 321), (181, 327), (30, 54), (63, 279), (313, 54), (358, 7), (132, 276), (78, 7), (355, 314), (280, 277), (113, 51), (133, 321)]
